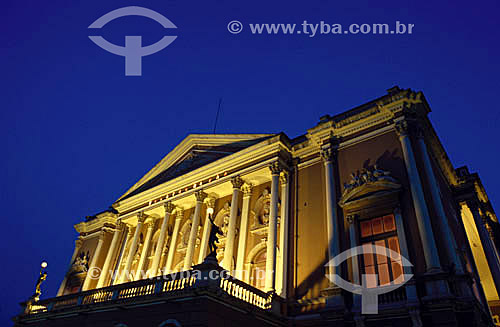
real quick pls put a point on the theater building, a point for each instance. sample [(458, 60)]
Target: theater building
[(375, 175)]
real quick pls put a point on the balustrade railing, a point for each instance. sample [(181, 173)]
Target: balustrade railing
[(163, 285), (245, 292), (397, 295)]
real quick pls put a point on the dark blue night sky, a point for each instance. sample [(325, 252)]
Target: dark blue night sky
[(76, 133)]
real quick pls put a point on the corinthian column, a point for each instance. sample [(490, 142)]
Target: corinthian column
[(122, 256), (78, 245), (188, 260), (272, 228), (207, 227), (169, 207), (444, 228), (435, 286), (145, 249), (231, 232), (423, 219), (332, 220), (173, 240), (111, 254), (332, 225), (93, 269), (283, 259), (125, 275), (242, 240)]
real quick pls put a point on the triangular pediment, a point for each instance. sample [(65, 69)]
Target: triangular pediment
[(195, 151)]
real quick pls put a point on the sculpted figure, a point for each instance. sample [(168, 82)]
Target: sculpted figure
[(213, 238)]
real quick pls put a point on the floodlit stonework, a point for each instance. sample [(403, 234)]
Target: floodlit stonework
[(374, 175)]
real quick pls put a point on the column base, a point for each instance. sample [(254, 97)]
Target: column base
[(461, 285), (436, 284)]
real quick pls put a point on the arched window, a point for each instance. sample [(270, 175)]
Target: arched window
[(258, 276)]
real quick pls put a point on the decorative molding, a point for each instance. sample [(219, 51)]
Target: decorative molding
[(237, 182), (120, 226), (78, 243), (169, 207), (275, 168), (247, 189), (210, 201), (284, 177), (367, 188), (402, 128), (328, 154), (141, 217), (350, 219), (419, 131), (179, 214), (150, 224), (200, 196)]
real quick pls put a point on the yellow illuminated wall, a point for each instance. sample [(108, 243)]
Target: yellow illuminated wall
[(479, 257)]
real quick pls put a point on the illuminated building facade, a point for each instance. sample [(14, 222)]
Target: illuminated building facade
[(374, 175)]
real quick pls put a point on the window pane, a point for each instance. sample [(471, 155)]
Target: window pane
[(381, 258), (370, 277), (383, 274), (377, 226), (368, 256), (397, 271), (389, 224), (366, 228), (394, 245)]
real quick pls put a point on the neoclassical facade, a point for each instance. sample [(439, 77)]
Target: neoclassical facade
[(374, 176)]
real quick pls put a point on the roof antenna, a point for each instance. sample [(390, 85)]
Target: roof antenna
[(217, 116)]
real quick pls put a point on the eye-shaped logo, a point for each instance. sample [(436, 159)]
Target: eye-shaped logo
[(369, 295), (133, 51)]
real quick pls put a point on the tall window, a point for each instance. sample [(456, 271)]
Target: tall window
[(380, 231)]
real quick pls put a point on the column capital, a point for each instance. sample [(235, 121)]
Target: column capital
[(409, 126), (130, 231), (78, 243), (141, 217), (210, 201), (419, 131), (284, 177), (200, 196), (275, 168), (168, 207), (103, 232), (120, 225), (328, 154), (473, 204), (237, 182), (247, 189), (179, 214), (150, 223), (351, 219)]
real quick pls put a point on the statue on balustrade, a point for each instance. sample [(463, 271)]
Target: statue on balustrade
[(213, 238)]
